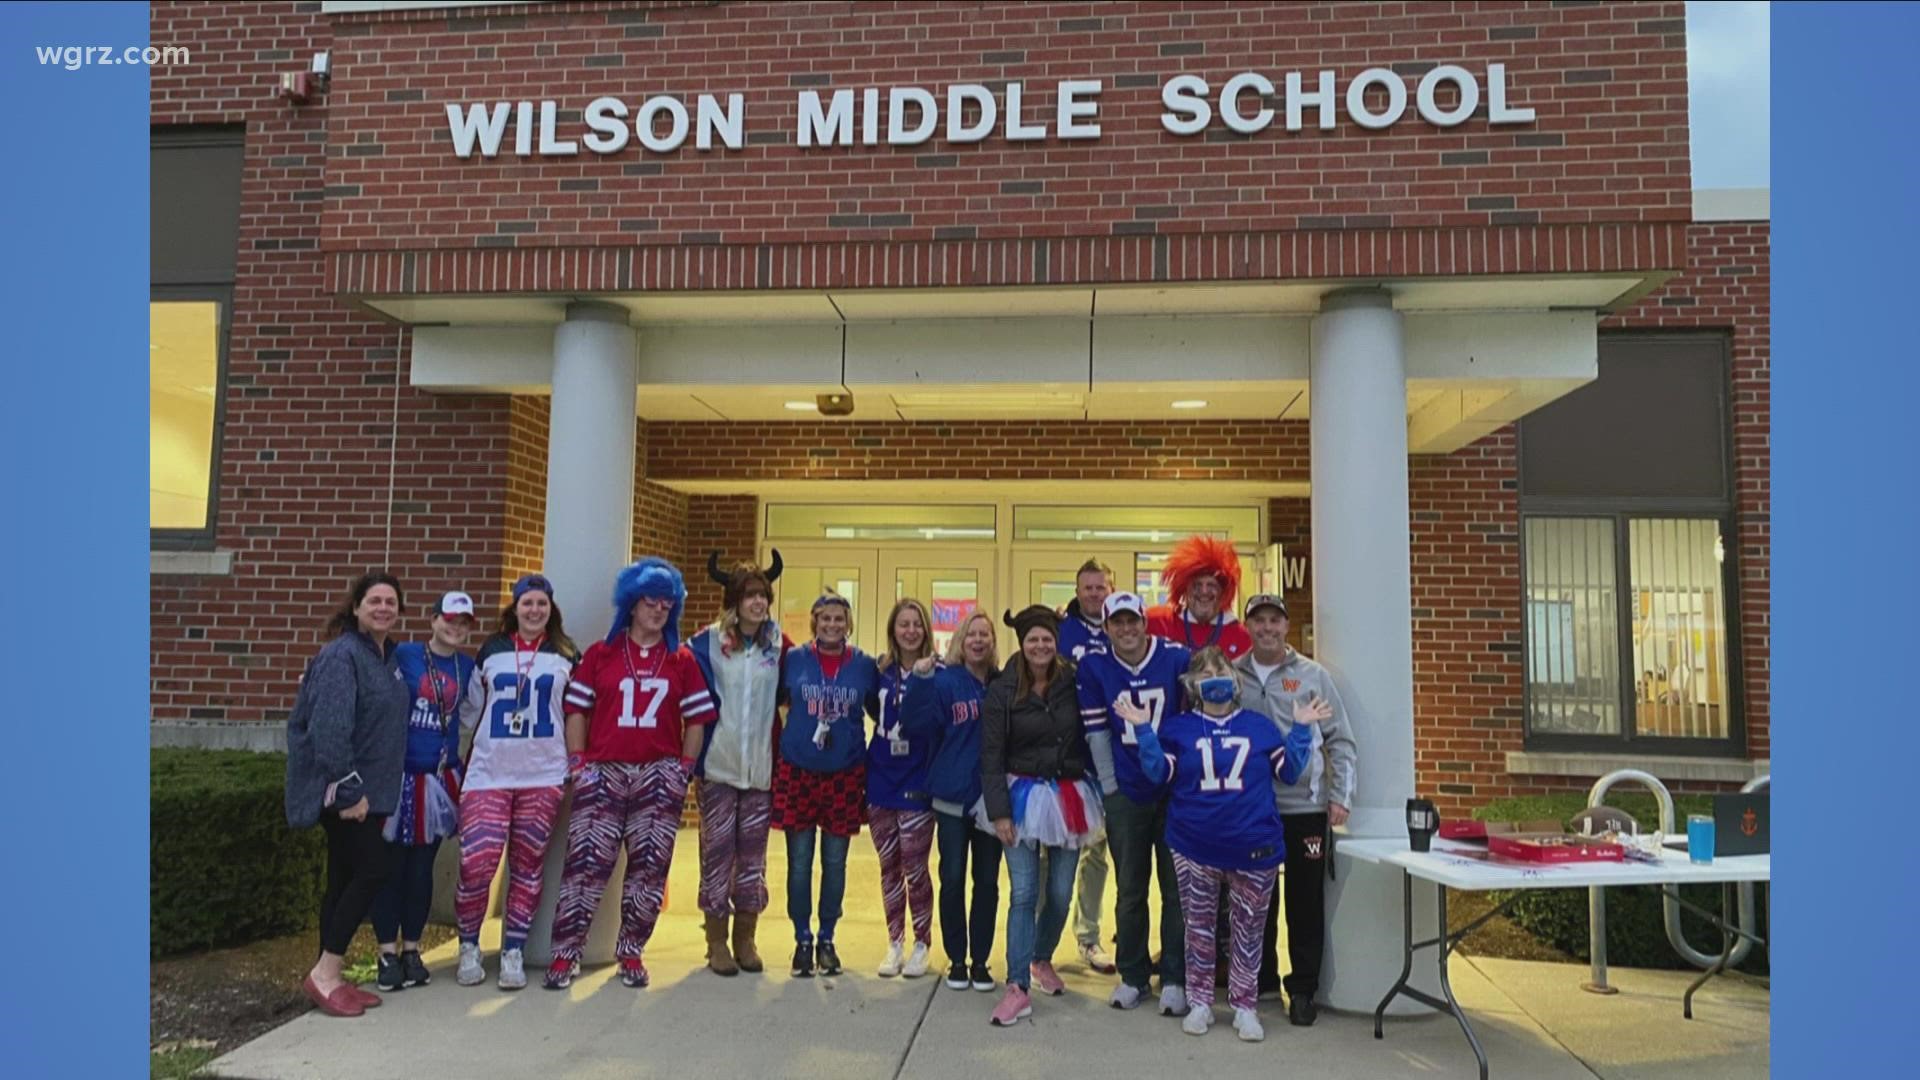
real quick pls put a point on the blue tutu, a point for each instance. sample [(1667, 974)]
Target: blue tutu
[(426, 811)]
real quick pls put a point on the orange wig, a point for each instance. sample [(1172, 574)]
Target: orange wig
[(1197, 557)]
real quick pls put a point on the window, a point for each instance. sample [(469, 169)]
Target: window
[(195, 191), (1626, 505), (807, 521)]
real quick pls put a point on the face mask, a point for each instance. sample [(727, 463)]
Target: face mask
[(1217, 690)]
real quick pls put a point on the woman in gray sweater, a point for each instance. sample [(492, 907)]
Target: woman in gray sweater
[(346, 745)]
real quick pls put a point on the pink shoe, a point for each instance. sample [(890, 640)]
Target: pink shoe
[(1013, 1006), (1048, 979)]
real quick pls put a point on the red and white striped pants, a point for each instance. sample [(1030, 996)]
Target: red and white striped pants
[(1248, 892)]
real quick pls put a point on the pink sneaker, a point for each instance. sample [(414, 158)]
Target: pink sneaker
[(1013, 1006), (1047, 979)]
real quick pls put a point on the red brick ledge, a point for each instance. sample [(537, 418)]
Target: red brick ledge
[(1356, 253)]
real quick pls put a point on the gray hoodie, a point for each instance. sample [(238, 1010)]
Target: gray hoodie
[(1330, 771)]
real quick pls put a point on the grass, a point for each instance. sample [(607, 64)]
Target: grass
[(178, 1061)]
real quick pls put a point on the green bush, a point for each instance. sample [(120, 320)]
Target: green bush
[(1636, 921), (226, 869)]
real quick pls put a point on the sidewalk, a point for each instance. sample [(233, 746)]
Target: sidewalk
[(1532, 1018)]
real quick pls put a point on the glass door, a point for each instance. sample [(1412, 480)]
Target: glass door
[(809, 571), (949, 581)]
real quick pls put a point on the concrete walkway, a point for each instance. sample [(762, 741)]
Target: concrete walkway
[(1532, 1018)]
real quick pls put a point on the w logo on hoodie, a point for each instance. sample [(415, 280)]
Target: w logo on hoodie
[(1289, 685)]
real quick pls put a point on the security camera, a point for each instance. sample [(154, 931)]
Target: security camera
[(834, 404), (322, 70)]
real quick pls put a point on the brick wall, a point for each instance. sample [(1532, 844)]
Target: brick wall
[(1608, 83), (724, 523), (1004, 450), (526, 523), (328, 466)]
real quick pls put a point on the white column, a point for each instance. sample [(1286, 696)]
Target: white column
[(1363, 624), (590, 465)]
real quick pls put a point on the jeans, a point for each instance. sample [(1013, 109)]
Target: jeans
[(962, 935), (1091, 893), (1032, 937), (1136, 837), (400, 911), (833, 881)]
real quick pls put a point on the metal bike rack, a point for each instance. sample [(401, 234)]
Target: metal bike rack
[(1597, 897)]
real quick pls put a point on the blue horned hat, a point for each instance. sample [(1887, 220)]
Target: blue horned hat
[(650, 577)]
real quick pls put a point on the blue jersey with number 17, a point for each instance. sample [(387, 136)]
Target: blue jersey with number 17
[(1220, 811), (1154, 685)]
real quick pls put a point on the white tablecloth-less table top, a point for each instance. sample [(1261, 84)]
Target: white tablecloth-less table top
[(1467, 866)]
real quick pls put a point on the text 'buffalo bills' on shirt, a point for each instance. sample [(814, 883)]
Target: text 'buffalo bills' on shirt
[(1153, 684), (826, 707), (1220, 809), (639, 701)]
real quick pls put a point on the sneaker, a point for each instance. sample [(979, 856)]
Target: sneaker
[(803, 960), (1197, 1021), (1173, 1001), (513, 969), (1014, 1005), (1126, 997), (1248, 1025), (470, 973), (1096, 958), (957, 977), (982, 979), (1301, 1011), (916, 961), (826, 959), (891, 965), (1047, 979), (560, 975), (633, 973), (393, 974), (417, 973)]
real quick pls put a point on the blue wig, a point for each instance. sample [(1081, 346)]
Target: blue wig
[(650, 577)]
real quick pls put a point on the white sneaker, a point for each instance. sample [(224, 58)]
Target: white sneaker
[(916, 961), (1125, 997), (891, 965), (1173, 1001), (513, 970), (1248, 1025), (1197, 1021), (471, 973), (1096, 958)]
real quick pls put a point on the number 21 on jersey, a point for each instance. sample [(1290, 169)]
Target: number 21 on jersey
[(1212, 781), (655, 691), (1154, 701)]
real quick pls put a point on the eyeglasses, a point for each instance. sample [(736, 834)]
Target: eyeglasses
[(662, 602)]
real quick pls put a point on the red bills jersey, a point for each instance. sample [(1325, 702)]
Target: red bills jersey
[(1225, 631), (638, 702)]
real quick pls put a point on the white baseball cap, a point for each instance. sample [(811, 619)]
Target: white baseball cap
[(455, 604), (1123, 601)]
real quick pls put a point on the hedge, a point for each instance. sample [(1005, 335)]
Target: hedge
[(1636, 921), (226, 869)]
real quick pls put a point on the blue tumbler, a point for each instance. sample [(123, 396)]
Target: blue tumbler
[(1700, 838)]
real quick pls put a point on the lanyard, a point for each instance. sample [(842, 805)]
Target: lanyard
[(443, 710), (1186, 630)]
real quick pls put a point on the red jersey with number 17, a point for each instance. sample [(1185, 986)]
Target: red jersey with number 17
[(638, 701)]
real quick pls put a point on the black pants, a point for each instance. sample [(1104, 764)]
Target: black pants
[(958, 839), (358, 861), (1304, 888), (400, 911)]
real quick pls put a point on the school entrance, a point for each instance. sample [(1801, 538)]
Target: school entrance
[(997, 555)]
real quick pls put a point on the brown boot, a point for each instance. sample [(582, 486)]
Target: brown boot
[(718, 958), (744, 926)]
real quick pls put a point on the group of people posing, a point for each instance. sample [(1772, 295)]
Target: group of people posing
[(1195, 748)]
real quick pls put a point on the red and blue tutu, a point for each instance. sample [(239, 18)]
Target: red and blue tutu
[(428, 811), (1053, 813)]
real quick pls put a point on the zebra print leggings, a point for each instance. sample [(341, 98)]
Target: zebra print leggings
[(733, 849), (615, 802), (518, 821), (1248, 892), (904, 839)]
